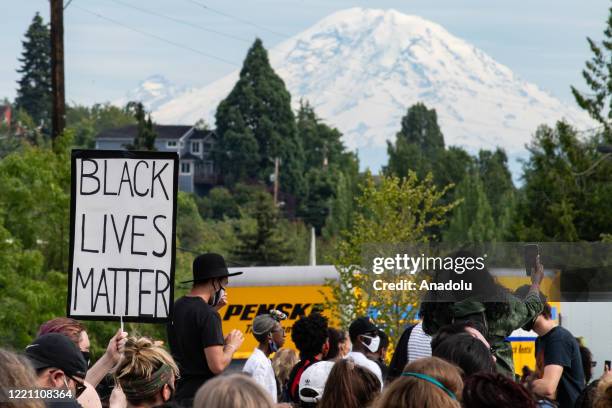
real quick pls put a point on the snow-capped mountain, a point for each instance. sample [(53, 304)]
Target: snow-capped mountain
[(153, 92), (362, 68)]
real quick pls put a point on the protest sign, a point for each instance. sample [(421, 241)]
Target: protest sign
[(122, 241)]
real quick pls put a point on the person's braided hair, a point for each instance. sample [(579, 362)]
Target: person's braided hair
[(488, 390), (145, 368)]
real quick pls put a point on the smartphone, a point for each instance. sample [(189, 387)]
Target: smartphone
[(608, 364), (531, 255)]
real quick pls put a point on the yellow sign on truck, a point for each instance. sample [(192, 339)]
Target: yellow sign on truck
[(294, 290)]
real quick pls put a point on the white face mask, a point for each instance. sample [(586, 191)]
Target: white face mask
[(374, 343)]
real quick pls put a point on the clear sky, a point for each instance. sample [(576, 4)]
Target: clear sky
[(542, 41)]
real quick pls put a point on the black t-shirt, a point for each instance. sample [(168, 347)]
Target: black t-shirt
[(195, 325), (559, 347)]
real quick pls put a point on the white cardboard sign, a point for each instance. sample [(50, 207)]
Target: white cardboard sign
[(122, 243)]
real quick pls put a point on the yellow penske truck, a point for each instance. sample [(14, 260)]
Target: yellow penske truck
[(296, 290)]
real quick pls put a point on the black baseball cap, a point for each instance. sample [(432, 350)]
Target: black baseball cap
[(361, 325), (57, 350)]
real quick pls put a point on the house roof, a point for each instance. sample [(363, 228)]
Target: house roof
[(130, 131), (202, 134)]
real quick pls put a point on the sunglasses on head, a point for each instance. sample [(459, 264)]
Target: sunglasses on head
[(80, 386)]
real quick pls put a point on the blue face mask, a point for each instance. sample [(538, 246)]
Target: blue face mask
[(273, 346)]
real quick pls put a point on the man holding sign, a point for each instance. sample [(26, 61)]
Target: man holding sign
[(194, 335)]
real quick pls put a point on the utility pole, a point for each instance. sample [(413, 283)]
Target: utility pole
[(276, 166), (58, 115)]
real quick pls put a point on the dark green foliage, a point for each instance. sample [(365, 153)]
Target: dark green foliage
[(218, 204), (262, 244), (34, 86), (315, 208), (499, 189), (419, 146), (598, 77), (145, 138), (87, 122), (327, 164), (472, 220), (35, 198), (189, 227), (484, 183), (559, 200), (255, 125)]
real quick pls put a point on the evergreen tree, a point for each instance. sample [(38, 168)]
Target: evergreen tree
[(559, 201), (237, 151), (418, 144), (145, 136), (499, 189), (472, 220), (259, 109), (263, 245), (326, 161), (87, 122), (598, 77), (34, 86)]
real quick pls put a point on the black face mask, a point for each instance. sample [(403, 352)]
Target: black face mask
[(214, 301), (87, 357)]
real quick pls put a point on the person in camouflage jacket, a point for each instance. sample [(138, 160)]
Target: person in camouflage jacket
[(491, 308)]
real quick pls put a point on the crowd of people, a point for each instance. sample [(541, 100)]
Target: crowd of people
[(456, 356)]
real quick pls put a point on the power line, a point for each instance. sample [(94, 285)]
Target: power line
[(157, 37), (221, 13), (181, 21)]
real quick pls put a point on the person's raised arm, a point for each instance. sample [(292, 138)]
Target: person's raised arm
[(109, 359), (219, 357), (547, 385)]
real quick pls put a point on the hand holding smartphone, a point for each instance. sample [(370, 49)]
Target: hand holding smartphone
[(532, 251)]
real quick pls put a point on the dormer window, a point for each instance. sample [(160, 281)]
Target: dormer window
[(171, 143), (195, 147)]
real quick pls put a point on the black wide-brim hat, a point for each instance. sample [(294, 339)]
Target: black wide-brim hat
[(209, 266)]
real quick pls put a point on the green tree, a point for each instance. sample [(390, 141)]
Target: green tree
[(87, 122), (342, 207), (218, 204), (261, 243), (419, 146), (35, 185), (392, 211), (598, 77), (563, 198), (145, 136), (472, 220), (258, 109), (189, 225), (327, 161), (499, 189), (237, 150), (34, 86)]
